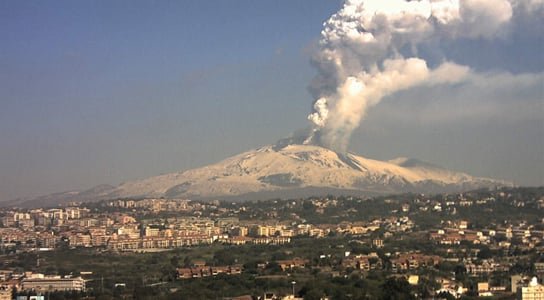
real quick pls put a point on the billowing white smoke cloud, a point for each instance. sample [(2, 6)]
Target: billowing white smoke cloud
[(361, 58)]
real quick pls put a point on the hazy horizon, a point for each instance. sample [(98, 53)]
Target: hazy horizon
[(102, 93)]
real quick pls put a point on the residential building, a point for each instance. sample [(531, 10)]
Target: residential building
[(533, 291), (5, 293), (55, 283)]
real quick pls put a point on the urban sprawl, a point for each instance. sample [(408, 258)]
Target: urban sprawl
[(448, 246)]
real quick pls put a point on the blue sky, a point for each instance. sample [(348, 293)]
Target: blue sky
[(103, 92)]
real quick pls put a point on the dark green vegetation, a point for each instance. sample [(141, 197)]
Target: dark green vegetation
[(512, 205), (153, 275)]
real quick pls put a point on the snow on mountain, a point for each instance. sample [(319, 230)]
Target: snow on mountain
[(286, 169), (293, 166)]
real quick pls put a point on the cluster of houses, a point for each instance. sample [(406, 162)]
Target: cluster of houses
[(199, 269), (502, 236), (37, 283), (120, 231), (121, 227)]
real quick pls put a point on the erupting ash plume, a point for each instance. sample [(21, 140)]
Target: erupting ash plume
[(369, 49)]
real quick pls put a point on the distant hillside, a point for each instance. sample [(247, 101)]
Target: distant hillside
[(284, 170)]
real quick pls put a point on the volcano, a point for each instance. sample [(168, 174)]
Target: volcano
[(286, 170), (298, 170)]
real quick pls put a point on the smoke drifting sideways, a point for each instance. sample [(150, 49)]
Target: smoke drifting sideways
[(369, 50)]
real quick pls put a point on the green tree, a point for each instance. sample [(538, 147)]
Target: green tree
[(397, 289)]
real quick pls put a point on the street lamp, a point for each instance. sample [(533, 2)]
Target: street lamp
[(293, 284)]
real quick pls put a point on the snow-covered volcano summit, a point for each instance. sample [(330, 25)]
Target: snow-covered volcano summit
[(284, 169)]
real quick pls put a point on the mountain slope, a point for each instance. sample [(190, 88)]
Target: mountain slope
[(284, 170), (98, 192), (293, 167)]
